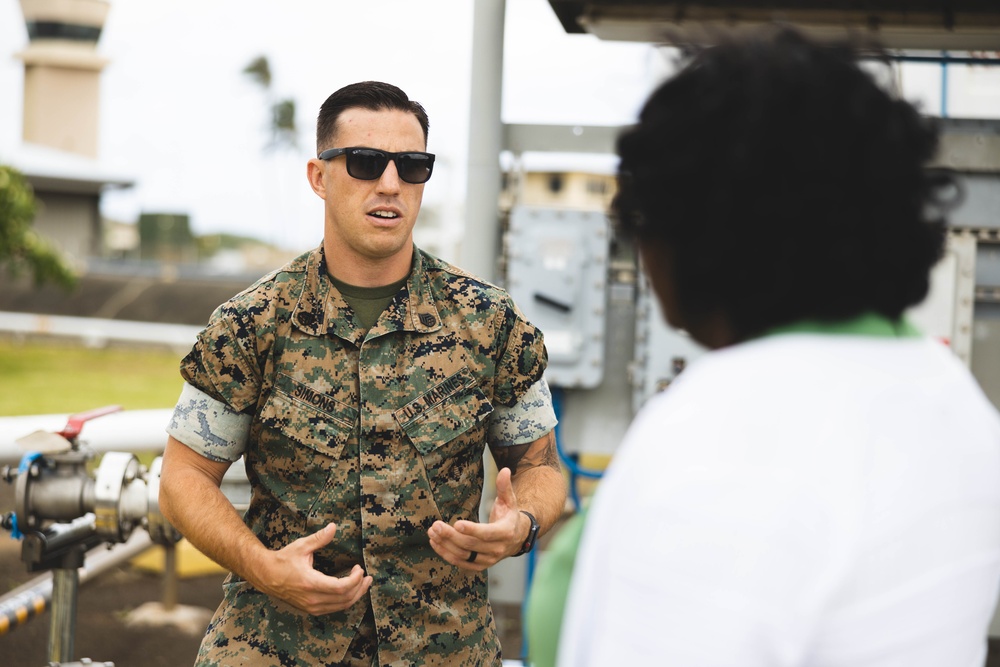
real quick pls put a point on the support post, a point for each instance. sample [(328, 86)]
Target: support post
[(65, 587), (481, 241), (169, 576)]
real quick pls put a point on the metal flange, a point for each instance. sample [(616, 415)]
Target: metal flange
[(115, 475), (159, 529)]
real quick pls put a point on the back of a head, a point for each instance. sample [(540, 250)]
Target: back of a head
[(787, 183), (370, 95)]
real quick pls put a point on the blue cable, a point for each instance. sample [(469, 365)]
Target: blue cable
[(575, 472), (532, 561), (26, 462)]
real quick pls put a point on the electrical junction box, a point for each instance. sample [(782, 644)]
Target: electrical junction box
[(557, 266), (661, 351)]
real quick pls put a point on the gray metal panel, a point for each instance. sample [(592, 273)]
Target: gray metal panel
[(988, 265), (557, 264), (594, 421), (981, 205), (986, 360), (969, 144), (946, 312), (661, 352)]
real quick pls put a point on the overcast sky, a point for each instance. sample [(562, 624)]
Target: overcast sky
[(178, 116)]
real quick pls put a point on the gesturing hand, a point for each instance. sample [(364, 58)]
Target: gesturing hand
[(484, 543), (288, 575)]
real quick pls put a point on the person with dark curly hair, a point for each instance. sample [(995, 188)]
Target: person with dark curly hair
[(823, 486)]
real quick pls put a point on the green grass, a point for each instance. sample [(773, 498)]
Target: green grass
[(44, 378)]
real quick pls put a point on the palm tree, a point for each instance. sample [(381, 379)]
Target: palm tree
[(282, 138), (282, 129)]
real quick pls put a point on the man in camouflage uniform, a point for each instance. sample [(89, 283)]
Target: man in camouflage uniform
[(360, 383)]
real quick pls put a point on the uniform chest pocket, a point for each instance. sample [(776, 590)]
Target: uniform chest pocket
[(302, 436), (444, 412), (308, 417)]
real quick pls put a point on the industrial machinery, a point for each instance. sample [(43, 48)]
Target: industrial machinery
[(62, 510)]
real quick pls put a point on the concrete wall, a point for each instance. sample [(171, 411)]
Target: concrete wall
[(71, 222)]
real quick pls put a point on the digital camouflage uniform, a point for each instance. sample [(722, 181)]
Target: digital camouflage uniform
[(381, 433)]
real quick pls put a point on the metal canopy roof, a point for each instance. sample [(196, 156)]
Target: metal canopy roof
[(958, 25), (52, 170)]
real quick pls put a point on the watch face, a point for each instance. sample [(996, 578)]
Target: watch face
[(529, 543)]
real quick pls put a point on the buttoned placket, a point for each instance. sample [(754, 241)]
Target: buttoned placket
[(394, 544)]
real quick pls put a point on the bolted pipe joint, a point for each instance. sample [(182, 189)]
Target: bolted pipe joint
[(122, 496), (126, 496), (160, 530), (119, 496)]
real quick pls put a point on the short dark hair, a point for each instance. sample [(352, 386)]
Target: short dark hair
[(371, 95), (786, 183)]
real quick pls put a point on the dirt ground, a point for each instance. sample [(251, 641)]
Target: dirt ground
[(102, 608), (105, 604)]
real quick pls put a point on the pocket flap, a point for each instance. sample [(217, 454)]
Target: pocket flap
[(444, 412), (310, 417)]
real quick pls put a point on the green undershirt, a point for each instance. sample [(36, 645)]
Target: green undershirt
[(866, 324), (368, 303)]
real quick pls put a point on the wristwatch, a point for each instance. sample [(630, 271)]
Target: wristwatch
[(529, 543)]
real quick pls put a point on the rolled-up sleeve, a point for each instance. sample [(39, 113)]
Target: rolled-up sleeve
[(209, 426), (526, 421)]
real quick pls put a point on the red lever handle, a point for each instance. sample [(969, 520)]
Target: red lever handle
[(75, 423)]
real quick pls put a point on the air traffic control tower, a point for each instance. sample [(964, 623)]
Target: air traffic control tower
[(62, 73)]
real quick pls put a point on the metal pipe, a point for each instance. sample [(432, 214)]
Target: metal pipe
[(126, 431), (34, 597), (99, 331), (944, 84)]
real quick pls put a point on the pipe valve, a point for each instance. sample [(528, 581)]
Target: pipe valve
[(53, 490)]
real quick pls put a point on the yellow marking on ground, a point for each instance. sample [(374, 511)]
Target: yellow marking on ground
[(190, 561)]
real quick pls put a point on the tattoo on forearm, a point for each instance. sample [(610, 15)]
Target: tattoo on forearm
[(510, 457), (541, 452)]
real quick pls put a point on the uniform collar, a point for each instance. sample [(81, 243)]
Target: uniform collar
[(322, 310), (866, 324)]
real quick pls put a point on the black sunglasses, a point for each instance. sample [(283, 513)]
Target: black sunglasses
[(367, 164)]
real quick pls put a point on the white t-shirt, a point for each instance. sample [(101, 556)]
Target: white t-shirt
[(798, 500)]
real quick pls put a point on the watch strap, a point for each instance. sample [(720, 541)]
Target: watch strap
[(529, 542)]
